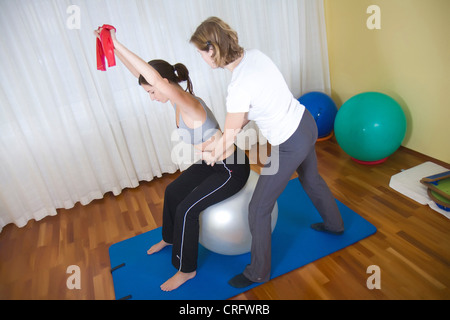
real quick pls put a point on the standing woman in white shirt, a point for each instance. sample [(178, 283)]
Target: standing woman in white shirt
[(258, 92)]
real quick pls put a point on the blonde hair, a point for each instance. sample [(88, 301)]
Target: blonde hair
[(216, 34)]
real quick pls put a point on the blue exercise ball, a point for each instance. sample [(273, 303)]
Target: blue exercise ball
[(370, 127), (322, 108)]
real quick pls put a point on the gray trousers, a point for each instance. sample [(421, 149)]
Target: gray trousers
[(295, 154)]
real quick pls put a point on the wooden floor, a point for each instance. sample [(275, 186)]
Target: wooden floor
[(411, 246)]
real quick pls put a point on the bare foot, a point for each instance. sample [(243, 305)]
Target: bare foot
[(177, 280), (157, 247)]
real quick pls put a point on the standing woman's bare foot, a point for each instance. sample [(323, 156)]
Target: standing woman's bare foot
[(157, 247), (177, 280)]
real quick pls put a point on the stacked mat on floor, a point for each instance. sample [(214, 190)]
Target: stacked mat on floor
[(137, 275), (408, 183)]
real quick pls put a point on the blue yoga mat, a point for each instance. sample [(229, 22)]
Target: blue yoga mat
[(294, 244)]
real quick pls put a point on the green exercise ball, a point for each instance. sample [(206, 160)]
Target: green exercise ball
[(370, 127)]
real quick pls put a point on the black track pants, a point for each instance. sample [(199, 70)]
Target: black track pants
[(197, 188)]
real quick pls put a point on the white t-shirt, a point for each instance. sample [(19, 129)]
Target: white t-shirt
[(258, 87)]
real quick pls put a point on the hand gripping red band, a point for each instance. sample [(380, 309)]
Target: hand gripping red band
[(105, 47)]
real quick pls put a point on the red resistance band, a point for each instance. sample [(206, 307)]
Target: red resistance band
[(105, 48)]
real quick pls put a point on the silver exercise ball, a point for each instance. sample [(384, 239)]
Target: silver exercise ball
[(224, 226)]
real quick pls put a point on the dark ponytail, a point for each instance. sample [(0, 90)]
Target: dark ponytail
[(182, 74), (175, 74)]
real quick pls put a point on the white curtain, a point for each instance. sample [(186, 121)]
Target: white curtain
[(70, 133)]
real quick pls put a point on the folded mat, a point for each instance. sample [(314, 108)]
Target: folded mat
[(408, 183), (137, 275)]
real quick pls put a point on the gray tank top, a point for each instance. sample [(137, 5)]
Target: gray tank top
[(199, 134)]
